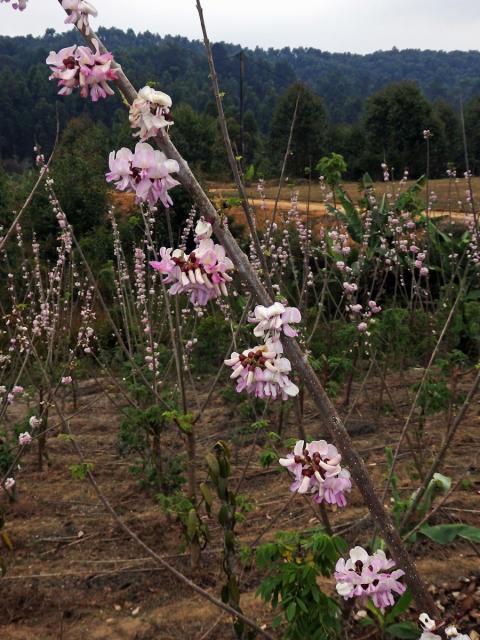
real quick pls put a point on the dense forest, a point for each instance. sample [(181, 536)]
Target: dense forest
[(370, 108)]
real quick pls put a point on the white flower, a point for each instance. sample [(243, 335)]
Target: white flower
[(203, 230), (34, 422), (9, 484), (272, 320)]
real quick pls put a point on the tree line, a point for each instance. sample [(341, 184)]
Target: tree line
[(370, 109)]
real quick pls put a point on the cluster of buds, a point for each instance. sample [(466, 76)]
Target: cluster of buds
[(150, 112), (81, 68), (203, 273), (263, 372), (364, 576), (145, 172), (419, 262), (316, 469), (357, 310)]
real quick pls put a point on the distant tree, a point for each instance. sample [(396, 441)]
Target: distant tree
[(472, 118), (309, 133), (194, 134), (450, 121), (395, 119), (79, 172), (349, 141)]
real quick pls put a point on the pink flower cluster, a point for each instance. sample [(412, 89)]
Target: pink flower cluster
[(21, 5), (272, 321), (203, 273), (78, 67), (365, 576), (263, 372), (146, 172), (150, 112), (316, 469)]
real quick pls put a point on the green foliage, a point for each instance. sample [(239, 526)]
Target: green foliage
[(81, 470), (184, 511), (332, 169), (292, 564), (438, 484)]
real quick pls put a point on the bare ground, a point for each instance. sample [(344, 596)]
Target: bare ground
[(75, 575)]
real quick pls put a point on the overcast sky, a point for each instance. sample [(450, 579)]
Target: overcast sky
[(359, 26)]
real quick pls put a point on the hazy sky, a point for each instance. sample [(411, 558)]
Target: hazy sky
[(332, 25)]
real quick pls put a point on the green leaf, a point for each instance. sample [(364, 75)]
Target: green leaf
[(206, 493), (446, 533), (291, 611), (6, 540), (192, 524), (403, 630), (213, 466)]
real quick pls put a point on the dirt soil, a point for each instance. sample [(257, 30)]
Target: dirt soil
[(75, 575)]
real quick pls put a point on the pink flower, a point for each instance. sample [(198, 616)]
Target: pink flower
[(362, 327), (67, 380), (316, 469), (150, 112), (145, 172), (374, 308), (202, 273), (350, 287), (17, 390), (273, 320), (78, 67), (263, 372), (78, 13), (24, 439), (363, 576), (424, 272)]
